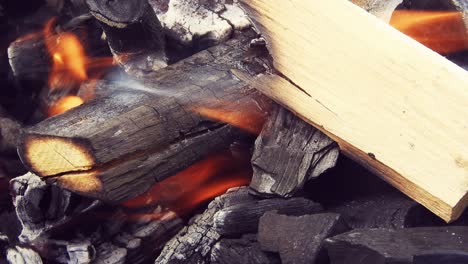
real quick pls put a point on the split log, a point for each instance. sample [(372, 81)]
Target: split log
[(379, 108), (288, 153), (41, 207), (439, 257), (194, 242), (371, 246), (298, 239), (245, 250), (126, 21), (116, 147)]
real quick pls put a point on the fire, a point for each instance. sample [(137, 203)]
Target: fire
[(245, 118), (70, 67), (197, 184), (441, 31), (64, 104)]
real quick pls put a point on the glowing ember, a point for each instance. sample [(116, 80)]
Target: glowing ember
[(197, 184), (64, 104), (441, 31), (246, 119)]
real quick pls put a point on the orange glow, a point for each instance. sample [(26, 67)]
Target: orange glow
[(441, 31), (249, 120), (197, 184), (70, 67), (68, 58), (64, 104)]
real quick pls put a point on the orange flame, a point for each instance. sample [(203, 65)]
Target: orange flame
[(64, 104), (70, 66), (441, 31), (197, 184)]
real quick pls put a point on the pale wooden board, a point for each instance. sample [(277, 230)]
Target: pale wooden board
[(391, 103)]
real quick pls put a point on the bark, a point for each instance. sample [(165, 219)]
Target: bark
[(115, 148)]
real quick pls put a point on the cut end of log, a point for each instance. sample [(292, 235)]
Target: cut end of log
[(49, 156), (83, 183)]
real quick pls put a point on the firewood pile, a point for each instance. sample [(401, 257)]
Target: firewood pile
[(136, 132)]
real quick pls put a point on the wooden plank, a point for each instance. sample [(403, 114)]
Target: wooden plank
[(391, 103)]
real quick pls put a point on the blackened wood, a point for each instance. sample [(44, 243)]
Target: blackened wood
[(298, 239), (29, 59), (288, 153), (116, 237), (386, 210), (243, 217), (244, 250), (41, 207), (378, 246), (126, 142), (442, 257), (194, 243), (134, 33)]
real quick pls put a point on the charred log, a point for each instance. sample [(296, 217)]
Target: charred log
[(244, 250), (387, 245), (115, 148), (298, 239), (194, 243), (288, 153), (126, 21), (41, 207)]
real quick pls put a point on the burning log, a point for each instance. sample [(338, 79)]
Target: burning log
[(370, 246), (245, 250), (126, 21), (194, 243), (288, 153), (115, 148), (41, 208), (385, 121), (298, 239)]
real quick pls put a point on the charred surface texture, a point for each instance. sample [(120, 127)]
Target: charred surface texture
[(298, 239), (41, 208), (244, 250), (116, 147), (133, 32), (288, 153), (194, 243), (379, 246)]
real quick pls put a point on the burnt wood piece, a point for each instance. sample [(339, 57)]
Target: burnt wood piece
[(298, 239), (116, 147), (245, 250), (379, 8), (388, 210), (29, 59), (117, 237), (379, 246), (288, 153), (133, 32), (442, 257), (243, 217), (41, 207), (194, 242)]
